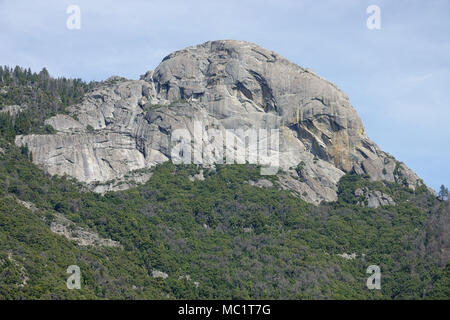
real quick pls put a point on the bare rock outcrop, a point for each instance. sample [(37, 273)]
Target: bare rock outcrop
[(13, 110), (373, 198), (159, 274), (125, 125), (80, 236)]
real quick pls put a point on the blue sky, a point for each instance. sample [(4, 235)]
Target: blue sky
[(397, 78)]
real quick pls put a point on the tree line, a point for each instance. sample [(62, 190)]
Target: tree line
[(40, 97)]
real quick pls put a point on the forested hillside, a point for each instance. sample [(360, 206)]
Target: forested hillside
[(218, 238), (234, 240), (39, 97)]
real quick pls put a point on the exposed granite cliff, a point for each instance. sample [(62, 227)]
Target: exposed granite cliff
[(124, 125)]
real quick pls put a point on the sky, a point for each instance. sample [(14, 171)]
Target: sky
[(397, 77)]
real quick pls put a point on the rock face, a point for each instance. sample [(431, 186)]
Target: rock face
[(159, 274), (13, 110), (124, 125), (373, 198), (71, 231)]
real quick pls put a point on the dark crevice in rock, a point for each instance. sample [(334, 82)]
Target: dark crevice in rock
[(267, 94), (364, 155), (247, 93)]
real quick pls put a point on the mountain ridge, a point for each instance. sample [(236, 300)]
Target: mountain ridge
[(197, 232), (126, 125)]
